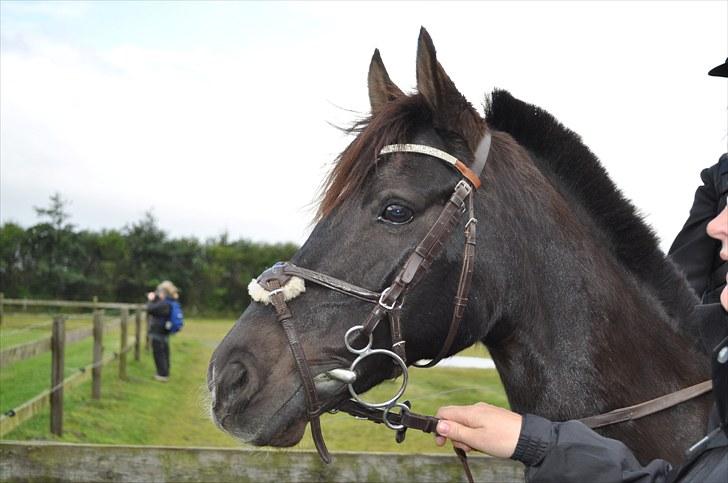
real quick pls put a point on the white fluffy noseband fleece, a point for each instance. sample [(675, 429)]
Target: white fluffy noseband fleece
[(295, 287)]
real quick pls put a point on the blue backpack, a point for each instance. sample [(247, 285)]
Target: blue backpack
[(176, 317)]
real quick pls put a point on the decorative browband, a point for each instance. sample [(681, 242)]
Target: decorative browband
[(435, 153)]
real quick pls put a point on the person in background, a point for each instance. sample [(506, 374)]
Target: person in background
[(159, 328), (569, 451)]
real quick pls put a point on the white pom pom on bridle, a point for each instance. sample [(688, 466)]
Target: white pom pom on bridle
[(295, 287)]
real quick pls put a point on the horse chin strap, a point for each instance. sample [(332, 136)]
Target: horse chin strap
[(284, 281)]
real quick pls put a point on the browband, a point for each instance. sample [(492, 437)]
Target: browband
[(472, 175)]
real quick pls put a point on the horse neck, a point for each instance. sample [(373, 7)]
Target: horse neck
[(573, 332)]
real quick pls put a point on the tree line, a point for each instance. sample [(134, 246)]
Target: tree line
[(53, 259)]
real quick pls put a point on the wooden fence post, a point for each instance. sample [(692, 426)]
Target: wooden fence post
[(122, 349), (58, 345), (137, 332), (98, 354)]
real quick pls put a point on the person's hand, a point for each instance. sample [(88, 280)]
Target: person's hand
[(724, 295), (150, 296), (482, 427)]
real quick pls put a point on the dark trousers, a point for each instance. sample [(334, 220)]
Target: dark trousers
[(160, 349)]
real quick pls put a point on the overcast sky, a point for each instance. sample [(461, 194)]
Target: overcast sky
[(215, 115)]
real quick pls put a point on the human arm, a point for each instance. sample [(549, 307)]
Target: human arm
[(158, 308), (571, 452), (563, 452)]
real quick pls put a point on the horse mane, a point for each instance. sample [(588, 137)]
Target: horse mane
[(562, 156), (558, 153), (396, 122)]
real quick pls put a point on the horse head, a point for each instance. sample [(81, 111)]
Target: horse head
[(374, 211), (569, 286)]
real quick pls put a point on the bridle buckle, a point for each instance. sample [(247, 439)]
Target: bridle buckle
[(381, 302)]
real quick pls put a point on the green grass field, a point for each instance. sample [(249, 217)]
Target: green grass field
[(21, 328), (144, 411)]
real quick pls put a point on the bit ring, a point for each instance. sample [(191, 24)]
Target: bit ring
[(403, 409), (391, 401), (351, 348)]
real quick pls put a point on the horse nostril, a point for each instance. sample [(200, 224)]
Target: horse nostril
[(234, 386), (242, 378)]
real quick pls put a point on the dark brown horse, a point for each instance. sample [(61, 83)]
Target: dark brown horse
[(579, 308)]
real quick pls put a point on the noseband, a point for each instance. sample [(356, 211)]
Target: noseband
[(387, 304)]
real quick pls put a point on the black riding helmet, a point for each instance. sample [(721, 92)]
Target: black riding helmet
[(720, 70)]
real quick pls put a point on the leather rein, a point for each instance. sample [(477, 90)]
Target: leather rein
[(388, 303)]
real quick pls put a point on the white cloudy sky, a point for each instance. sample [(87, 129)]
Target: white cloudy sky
[(200, 111)]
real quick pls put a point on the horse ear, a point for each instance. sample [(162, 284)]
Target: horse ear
[(429, 72), (451, 110), (381, 88)]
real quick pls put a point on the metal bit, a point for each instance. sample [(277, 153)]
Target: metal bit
[(342, 375)]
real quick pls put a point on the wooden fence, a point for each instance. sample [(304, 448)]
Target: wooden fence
[(32, 461), (56, 344)]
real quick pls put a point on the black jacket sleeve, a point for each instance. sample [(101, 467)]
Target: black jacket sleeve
[(158, 308), (693, 250), (571, 452)]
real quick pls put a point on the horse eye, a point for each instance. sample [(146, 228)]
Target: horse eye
[(396, 214)]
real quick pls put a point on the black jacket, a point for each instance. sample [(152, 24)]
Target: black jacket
[(571, 452), (693, 250), (158, 309)]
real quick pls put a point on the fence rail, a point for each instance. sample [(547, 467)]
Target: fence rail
[(91, 462), (26, 350), (56, 344), (80, 304)]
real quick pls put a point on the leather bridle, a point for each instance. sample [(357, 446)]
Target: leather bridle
[(388, 303)]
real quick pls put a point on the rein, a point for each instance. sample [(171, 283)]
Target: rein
[(388, 303), (637, 411)]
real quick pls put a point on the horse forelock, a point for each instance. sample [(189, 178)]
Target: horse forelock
[(561, 155), (395, 123)]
